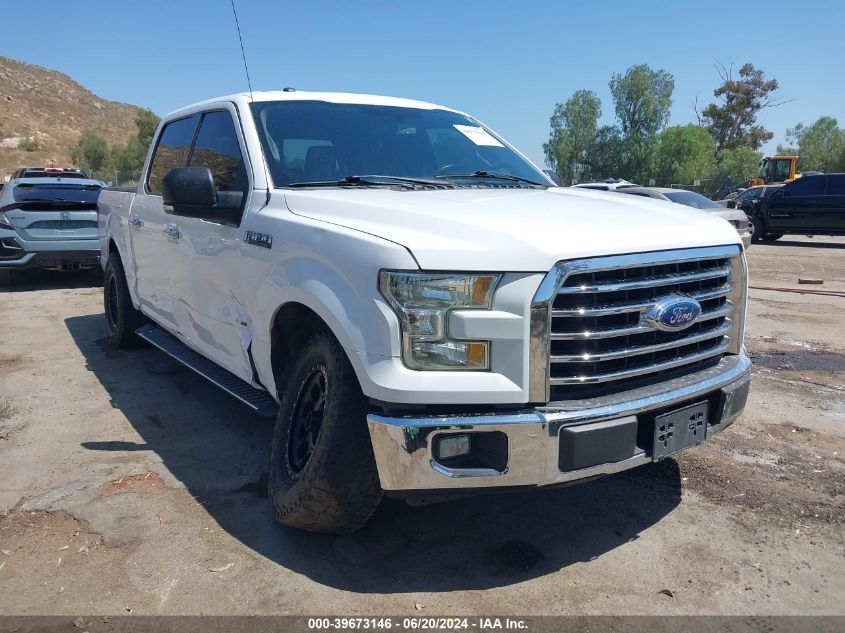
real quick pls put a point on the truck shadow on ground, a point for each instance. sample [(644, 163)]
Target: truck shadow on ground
[(219, 450)]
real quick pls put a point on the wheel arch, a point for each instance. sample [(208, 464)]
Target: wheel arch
[(292, 325), (111, 247), (307, 293), (115, 243)]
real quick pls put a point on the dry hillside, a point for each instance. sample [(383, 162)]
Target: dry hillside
[(53, 109)]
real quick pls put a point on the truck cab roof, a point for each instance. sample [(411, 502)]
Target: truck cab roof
[(302, 95)]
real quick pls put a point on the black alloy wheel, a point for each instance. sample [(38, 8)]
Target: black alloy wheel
[(307, 419)]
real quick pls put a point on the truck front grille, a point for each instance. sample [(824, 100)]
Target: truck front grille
[(599, 342)]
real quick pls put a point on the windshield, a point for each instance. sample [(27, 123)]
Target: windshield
[(317, 141), (58, 192), (691, 199)]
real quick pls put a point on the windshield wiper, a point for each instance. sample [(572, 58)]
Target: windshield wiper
[(367, 181), (494, 174)]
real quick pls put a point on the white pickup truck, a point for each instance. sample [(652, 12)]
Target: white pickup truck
[(425, 314)]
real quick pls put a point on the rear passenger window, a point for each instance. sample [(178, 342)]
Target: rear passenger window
[(217, 148), (806, 186), (171, 151), (836, 185)]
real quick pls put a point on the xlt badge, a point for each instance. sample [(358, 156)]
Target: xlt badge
[(264, 240)]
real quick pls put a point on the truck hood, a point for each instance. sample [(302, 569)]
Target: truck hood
[(512, 230)]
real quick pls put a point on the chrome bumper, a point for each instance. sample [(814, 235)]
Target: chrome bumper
[(403, 445)]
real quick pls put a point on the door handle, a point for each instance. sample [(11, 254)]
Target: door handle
[(172, 231), (135, 221)]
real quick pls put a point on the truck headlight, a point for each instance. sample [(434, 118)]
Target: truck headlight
[(422, 302)]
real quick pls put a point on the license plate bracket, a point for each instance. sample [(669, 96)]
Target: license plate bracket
[(680, 429)]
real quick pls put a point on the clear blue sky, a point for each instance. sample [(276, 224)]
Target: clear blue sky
[(505, 62)]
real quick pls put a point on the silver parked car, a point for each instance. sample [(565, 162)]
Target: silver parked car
[(48, 223), (736, 217)]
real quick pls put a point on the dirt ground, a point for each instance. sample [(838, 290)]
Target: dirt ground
[(130, 485)]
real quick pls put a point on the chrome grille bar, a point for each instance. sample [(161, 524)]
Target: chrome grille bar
[(720, 349), (637, 350), (642, 306), (640, 328), (650, 282)]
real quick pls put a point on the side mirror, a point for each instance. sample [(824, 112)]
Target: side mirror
[(189, 191), (731, 204)]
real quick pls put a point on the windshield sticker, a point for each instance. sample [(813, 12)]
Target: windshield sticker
[(478, 135)]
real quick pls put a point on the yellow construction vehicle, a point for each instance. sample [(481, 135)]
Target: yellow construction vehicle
[(775, 169)]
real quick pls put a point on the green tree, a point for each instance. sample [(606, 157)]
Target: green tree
[(146, 121), (572, 135), (684, 153), (642, 98), (91, 153), (736, 165), (732, 120), (819, 146), (126, 161), (607, 154)]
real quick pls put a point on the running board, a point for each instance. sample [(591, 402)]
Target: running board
[(259, 401)]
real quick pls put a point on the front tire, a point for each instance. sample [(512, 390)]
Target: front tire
[(771, 237), (122, 319), (323, 475), (7, 277)]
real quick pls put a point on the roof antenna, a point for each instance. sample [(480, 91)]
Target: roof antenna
[(243, 54)]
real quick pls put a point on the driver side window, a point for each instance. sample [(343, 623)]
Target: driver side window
[(217, 148)]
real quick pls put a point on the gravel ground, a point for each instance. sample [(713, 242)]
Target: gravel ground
[(130, 485)]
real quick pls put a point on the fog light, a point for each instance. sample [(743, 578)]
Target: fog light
[(453, 446)]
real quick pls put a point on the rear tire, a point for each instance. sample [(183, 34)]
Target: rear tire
[(122, 319), (758, 227), (323, 475), (771, 237)]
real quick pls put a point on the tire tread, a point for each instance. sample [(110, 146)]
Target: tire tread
[(338, 490)]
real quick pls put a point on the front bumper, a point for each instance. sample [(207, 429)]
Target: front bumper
[(406, 459)]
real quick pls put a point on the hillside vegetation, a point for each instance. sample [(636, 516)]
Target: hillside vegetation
[(43, 114)]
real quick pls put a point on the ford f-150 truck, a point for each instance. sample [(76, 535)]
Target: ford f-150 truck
[(425, 314)]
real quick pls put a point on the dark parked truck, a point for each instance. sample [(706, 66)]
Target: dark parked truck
[(423, 312), (810, 205)]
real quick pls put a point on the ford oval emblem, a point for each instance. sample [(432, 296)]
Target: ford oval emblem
[(673, 312)]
